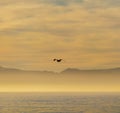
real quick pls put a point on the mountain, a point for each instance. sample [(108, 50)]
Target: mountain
[(97, 71), (20, 71), (66, 71), (3, 69)]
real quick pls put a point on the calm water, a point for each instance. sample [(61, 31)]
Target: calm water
[(59, 103)]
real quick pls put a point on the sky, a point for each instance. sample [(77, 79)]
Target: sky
[(84, 33)]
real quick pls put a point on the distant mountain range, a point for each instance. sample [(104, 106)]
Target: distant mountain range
[(14, 70), (66, 71), (92, 71), (3, 69)]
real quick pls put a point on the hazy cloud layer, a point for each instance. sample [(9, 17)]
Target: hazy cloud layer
[(83, 32)]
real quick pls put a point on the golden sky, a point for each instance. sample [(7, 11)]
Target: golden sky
[(85, 33)]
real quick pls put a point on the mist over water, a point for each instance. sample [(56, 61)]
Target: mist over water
[(59, 103)]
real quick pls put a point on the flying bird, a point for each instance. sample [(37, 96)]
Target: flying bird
[(57, 60)]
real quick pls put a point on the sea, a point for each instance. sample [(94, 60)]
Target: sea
[(59, 102)]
